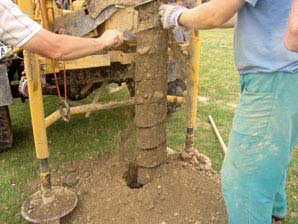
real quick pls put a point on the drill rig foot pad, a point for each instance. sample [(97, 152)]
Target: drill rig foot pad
[(38, 210)]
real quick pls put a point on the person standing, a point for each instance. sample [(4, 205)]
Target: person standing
[(265, 125)]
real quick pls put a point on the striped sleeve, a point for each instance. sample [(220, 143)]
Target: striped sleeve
[(15, 27)]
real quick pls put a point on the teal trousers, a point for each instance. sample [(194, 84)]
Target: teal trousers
[(264, 131)]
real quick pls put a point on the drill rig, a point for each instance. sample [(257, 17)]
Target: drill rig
[(76, 79)]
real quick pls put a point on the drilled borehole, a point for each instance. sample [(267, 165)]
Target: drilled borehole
[(131, 176)]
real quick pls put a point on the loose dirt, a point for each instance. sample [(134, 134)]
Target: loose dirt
[(179, 193)]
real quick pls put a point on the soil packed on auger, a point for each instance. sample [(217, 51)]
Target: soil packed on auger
[(150, 95)]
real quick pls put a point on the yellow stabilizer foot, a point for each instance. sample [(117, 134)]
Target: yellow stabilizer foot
[(38, 210)]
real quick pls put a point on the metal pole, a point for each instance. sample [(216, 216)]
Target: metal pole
[(44, 14), (27, 7), (48, 196), (222, 143), (36, 106), (192, 88), (37, 116), (88, 108), (175, 99), (56, 115)]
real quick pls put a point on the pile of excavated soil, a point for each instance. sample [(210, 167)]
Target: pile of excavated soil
[(179, 193)]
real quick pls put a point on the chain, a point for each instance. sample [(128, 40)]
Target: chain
[(63, 105)]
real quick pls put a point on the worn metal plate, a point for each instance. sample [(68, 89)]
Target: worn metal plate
[(95, 7), (80, 23), (85, 20)]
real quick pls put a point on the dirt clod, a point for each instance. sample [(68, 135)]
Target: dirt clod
[(71, 180)]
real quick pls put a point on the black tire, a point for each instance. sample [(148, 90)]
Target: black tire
[(6, 134)]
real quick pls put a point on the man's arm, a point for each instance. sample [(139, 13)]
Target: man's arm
[(291, 33), (19, 30), (64, 47), (211, 14), (230, 23)]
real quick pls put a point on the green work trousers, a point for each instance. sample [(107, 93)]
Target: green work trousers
[(264, 131)]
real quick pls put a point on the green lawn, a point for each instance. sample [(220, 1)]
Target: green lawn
[(97, 136)]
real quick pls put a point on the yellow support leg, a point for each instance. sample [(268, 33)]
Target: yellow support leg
[(192, 89), (48, 196), (36, 104), (37, 116)]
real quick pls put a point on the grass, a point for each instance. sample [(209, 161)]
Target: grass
[(96, 137)]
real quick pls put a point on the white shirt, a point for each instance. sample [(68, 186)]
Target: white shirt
[(15, 27)]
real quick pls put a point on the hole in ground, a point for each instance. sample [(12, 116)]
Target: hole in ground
[(131, 176)]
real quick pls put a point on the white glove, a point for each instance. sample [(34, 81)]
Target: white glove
[(170, 14)]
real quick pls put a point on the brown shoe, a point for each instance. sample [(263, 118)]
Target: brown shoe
[(277, 220)]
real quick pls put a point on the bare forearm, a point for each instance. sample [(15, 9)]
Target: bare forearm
[(62, 47), (74, 47), (230, 23), (211, 14), (291, 34)]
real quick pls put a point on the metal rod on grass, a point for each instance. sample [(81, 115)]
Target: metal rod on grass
[(222, 143)]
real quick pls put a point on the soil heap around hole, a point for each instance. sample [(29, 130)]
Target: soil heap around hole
[(179, 193)]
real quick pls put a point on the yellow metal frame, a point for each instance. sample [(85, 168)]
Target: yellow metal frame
[(87, 108), (35, 66), (35, 92), (55, 116), (36, 107), (93, 61)]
